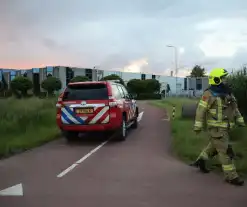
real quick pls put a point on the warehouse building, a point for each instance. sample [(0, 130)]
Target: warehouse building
[(192, 83), (65, 74), (194, 86)]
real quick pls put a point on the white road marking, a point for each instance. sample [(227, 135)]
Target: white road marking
[(15, 190), (166, 119), (75, 164), (139, 118), (63, 173)]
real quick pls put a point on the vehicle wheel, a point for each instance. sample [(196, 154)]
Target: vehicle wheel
[(71, 136), (122, 131), (135, 124)]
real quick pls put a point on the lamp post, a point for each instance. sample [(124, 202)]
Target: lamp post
[(176, 63)]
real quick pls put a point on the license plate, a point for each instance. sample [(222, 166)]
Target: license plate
[(84, 111)]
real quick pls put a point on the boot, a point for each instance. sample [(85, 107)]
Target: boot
[(195, 164), (236, 181), (201, 164)]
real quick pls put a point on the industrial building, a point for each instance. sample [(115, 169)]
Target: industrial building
[(199, 84), (194, 86), (65, 74), (177, 85)]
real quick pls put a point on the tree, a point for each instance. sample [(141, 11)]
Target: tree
[(113, 77), (197, 71), (21, 84), (51, 84), (79, 79), (152, 85)]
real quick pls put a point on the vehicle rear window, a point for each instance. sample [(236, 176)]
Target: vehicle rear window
[(86, 92)]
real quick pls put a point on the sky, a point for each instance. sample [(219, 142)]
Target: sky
[(124, 35)]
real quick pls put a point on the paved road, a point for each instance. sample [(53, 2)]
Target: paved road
[(137, 172)]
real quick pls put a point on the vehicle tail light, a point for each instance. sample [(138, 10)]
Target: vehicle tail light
[(59, 101), (112, 102), (59, 105)]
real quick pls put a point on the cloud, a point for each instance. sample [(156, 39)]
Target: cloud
[(223, 37), (136, 66), (123, 34)]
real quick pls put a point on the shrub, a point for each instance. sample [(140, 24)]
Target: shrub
[(113, 77), (136, 86), (149, 86), (51, 84), (79, 79), (239, 85), (20, 86)]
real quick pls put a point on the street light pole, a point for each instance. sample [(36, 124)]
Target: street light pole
[(176, 64)]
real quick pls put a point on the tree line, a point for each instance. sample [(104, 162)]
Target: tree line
[(21, 86), (141, 89)]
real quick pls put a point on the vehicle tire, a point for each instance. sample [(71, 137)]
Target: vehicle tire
[(71, 136), (122, 135), (135, 124)]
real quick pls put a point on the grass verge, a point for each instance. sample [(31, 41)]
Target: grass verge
[(26, 123), (187, 145)]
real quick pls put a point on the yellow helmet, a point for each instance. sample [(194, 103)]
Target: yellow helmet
[(216, 76)]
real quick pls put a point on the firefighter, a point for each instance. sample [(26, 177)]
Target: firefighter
[(219, 111)]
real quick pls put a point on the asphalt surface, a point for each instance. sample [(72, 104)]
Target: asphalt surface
[(138, 172)]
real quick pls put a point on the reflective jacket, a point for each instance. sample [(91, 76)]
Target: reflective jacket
[(217, 111)]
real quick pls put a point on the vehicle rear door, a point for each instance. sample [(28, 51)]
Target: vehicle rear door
[(85, 104), (127, 103)]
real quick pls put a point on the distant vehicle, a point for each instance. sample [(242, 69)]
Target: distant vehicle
[(104, 106)]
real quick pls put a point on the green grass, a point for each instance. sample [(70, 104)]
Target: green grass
[(187, 145), (26, 123)]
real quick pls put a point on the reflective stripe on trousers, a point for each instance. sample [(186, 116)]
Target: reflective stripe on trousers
[(198, 124), (229, 167), (230, 171)]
